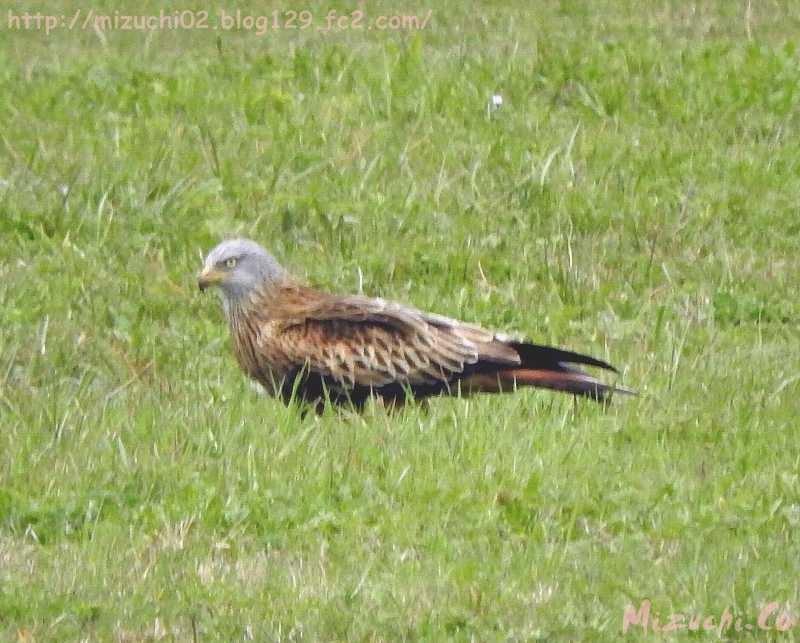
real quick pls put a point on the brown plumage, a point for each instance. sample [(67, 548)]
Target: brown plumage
[(298, 341)]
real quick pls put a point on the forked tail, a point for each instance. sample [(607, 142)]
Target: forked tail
[(547, 367)]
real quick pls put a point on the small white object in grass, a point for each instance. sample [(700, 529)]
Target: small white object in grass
[(495, 103)]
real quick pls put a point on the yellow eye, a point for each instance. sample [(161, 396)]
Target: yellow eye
[(230, 263)]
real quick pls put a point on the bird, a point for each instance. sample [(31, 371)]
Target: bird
[(301, 343)]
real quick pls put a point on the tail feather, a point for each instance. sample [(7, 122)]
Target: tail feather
[(569, 381), (547, 367)]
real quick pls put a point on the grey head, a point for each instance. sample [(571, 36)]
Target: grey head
[(237, 267)]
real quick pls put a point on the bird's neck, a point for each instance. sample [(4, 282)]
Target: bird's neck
[(258, 300)]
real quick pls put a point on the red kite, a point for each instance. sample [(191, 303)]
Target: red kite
[(301, 342)]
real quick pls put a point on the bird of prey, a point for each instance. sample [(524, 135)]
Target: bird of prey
[(302, 343)]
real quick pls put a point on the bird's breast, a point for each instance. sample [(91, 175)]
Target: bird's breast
[(258, 357)]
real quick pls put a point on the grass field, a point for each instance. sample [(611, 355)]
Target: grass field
[(636, 197)]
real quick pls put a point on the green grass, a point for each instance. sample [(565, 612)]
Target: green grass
[(636, 197)]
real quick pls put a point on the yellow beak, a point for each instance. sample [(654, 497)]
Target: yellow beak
[(209, 277)]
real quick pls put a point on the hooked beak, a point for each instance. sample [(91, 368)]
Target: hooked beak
[(208, 278)]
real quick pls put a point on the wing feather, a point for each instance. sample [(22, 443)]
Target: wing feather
[(359, 341)]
